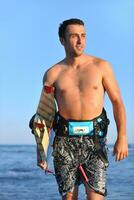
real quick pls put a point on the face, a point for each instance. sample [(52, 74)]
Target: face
[(75, 40)]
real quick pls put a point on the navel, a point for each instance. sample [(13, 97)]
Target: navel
[(95, 87)]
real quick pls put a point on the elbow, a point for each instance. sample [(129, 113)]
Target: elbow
[(117, 103)]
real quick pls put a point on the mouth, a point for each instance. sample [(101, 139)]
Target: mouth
[(79, 47)]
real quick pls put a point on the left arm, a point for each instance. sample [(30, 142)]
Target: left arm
[(111, 87)]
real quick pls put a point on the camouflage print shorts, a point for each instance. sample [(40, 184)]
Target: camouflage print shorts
[(69, 153)]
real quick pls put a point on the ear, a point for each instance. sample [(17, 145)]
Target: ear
[(62, 40)]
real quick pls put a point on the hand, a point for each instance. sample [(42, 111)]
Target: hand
[(120, 148), (43, 165)]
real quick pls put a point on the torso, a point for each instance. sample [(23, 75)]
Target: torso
[(79, 92)]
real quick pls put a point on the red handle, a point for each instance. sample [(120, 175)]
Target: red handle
[(39, 125), (48, 89), (83, 173)]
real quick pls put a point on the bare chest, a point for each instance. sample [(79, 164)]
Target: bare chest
[(81, 80)]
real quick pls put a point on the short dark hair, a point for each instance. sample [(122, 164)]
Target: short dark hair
[(64, 24)]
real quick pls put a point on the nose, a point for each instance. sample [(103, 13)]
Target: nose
[(79, 39)]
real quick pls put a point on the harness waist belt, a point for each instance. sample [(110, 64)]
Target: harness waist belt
[(74, 128)]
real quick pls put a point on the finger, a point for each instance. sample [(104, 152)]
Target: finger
[(42, 165), (122, 156), (126, 154), (117, 156)]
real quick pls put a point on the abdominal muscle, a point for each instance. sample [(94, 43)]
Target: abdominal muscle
[(80, 105)]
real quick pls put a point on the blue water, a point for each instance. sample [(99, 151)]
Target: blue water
[(21, 179)]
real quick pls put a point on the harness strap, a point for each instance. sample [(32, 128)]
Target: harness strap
[(99, 127), (100, 123)]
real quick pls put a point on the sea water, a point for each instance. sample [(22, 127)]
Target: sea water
[(21, 179)]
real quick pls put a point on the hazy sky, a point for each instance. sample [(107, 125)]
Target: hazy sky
[(29, 45)]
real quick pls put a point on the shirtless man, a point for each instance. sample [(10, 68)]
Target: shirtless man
[(80, 82)]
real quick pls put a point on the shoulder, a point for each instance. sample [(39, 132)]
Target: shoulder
[(52, 73), (97, 61), (106, 68), (103, 65)]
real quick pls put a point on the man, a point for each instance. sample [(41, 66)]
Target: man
[(80, 82)]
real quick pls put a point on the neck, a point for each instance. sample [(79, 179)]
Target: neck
[(74, 61)]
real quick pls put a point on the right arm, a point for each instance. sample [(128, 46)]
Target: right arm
[(47, 94)]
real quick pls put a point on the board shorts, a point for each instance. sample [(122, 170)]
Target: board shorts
[(69, 153)]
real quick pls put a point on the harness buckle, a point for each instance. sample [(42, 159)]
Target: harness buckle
[(64, 129)]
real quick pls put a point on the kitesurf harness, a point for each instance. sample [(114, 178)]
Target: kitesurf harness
[(95, 128)]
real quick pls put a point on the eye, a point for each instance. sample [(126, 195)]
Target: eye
[(73, 35), (83, 35)]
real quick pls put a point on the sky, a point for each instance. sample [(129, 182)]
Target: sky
[(29, 45)]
